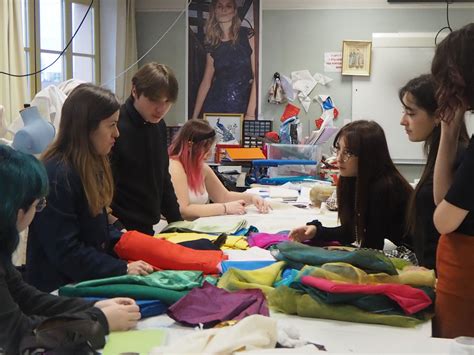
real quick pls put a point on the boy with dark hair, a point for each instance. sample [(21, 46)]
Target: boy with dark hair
[(140, 158)]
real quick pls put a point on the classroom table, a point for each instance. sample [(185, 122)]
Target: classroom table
[(336, 336)]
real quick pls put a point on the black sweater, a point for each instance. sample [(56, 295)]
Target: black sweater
[(381, 222), (22, 308), (65, 242), (140, 166)]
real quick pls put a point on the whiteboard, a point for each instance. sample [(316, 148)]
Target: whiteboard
[(396, 58)]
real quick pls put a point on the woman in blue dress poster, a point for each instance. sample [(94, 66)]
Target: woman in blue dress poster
[(228, 82)]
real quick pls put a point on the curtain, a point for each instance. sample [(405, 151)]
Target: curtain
[(12, 60), (126, 47)]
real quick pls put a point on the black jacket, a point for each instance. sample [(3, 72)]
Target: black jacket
[(65, 242), (22, 308), (140, 166), (381, 222)]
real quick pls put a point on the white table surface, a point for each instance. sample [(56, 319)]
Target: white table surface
[(337, 336)]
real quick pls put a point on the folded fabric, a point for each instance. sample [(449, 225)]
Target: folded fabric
[(210, 305), (411, 300), (148, 308), (290, 301), (200, 244), (167, 286), (410, 275), (165, 255), (200, 226), (262, 279), (297, 255), (265, 240), (253, 332), (231, 241), (245, 265)]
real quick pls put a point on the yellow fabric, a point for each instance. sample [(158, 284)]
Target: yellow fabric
[(344, 272), (238, 242), (262, 279)]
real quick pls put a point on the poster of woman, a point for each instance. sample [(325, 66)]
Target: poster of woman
[(223, 57)]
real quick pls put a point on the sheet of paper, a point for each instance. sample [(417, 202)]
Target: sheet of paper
[(134, 341), (303, 81), (332, 62)]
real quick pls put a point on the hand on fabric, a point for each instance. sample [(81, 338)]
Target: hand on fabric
[(121, 316), (300, 234), (262, 205), (139, 268), (235, 207), (114, 301)]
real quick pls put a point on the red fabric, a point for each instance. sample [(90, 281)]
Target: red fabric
[(290, 111), (165, 255), (454, 306), (410, 299)]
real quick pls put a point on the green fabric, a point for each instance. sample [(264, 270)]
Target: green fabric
[(167, 286), (297, 255), (290, 301), (169, 279), (201, 227), (376, 303), (263, 279), (137, 292)]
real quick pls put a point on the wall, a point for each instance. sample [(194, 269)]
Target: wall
[(297, 39), (170, 51)]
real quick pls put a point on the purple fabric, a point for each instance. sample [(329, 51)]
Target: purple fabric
[(210, 305), (265, 240)]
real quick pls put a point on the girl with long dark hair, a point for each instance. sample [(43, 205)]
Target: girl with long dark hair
[(372, 195)]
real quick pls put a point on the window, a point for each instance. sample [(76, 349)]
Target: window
[(48, 25)]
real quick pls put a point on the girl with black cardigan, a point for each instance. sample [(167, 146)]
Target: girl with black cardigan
[(372, 195)]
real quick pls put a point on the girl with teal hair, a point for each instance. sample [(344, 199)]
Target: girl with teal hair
[(23, 190)]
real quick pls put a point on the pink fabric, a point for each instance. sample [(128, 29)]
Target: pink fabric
[(410, 299), (265, 240), (165, 255)]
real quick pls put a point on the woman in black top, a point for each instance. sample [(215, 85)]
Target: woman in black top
[(453, 71), (372, 195), (422, 125), (23, 187), (72, 239)]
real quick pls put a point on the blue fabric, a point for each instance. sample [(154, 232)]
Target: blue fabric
[(230, 89), (288, 276), (246, 231), (148, 308), (245, 265)]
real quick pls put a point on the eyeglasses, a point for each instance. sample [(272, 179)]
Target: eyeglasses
[(345, 154), (41, 204)]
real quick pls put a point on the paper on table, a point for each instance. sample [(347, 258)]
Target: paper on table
[(134, 341)]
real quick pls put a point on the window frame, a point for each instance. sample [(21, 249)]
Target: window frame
[(33, 46)]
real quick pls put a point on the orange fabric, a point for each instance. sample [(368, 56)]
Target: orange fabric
[(165, 255), (454, 308)]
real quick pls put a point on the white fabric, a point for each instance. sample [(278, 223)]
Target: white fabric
[(253, 332), (50, 102), (197, 198), (251, 254)]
